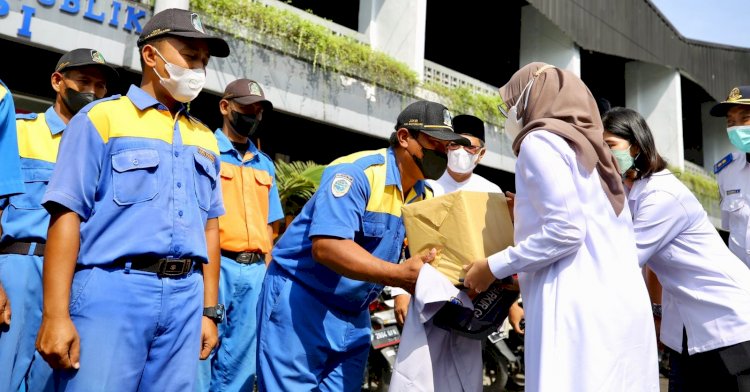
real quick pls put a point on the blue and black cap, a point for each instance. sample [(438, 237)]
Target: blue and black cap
[(432, 119), (177, 22), (84, 57), (739, 95)]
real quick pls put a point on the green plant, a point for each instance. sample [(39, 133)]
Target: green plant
[(706, 190), (287, 32), (297, 181)]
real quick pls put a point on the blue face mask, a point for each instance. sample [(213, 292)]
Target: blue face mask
[(740, 137)]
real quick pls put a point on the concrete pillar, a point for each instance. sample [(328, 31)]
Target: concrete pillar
[(716, 144), (655, 92), (397, 28), (542, 41), (161, 5)]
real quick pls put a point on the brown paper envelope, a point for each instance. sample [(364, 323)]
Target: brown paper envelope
[(465, 226)]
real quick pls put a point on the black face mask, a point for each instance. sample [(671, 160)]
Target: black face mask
[(244, 124), (432, 164), (75, 101)]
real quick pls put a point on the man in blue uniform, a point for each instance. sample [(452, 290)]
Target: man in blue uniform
[(733, 172), (80, 77), (333, 260), (134, 203), (10, 175), (251, 200)]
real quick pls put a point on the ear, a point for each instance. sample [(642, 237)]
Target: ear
[(224, 107), (57, 82), (149, 55), (403, 137), (481, 154)]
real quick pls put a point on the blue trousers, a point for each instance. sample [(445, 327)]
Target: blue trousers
[(231, 367), (21, 276), (304, 345), (138, 332)]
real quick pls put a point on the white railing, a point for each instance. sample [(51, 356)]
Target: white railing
[(436, 73), (691, 167)]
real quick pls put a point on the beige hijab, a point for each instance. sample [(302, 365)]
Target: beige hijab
[(559, 102)]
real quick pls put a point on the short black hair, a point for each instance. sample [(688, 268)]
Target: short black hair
[(393, 140), (151, 42), (630, 125)]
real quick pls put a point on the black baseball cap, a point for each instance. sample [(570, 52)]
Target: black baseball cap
[(177, 22), (470, 125), (84, 57), (739, 95), (431, 118), (246, 92)]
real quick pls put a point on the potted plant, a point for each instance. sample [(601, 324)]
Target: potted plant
[(296, 181)]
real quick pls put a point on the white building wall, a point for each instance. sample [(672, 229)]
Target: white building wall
[(716, 144), (161, 5), (655, 92), (397, 28), (542, 41)]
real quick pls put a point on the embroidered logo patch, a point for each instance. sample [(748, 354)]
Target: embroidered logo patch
[(732, 191), (456, 301), (196, 21), (97, 57), (341, 184), (206, 154)]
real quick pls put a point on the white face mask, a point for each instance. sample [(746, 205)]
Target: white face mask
[(184, 84), (513, 124), (461, 161)]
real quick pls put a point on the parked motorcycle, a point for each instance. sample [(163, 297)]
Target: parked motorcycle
[(384, 343), (502, 356)]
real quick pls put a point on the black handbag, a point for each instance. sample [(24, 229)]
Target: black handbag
[(490, 310)]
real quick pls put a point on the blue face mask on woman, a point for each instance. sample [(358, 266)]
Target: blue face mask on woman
[(739, 135)]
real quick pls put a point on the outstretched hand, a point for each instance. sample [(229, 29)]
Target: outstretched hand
[(412, 266), (478, 276)]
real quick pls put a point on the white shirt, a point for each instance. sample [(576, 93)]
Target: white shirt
[(705, 287), (430, 358), (734, 190), (588, 316), (475, 182)]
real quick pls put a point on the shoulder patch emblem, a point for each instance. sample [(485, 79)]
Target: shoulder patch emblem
[(341, 184), (732, 191), (724, 162)]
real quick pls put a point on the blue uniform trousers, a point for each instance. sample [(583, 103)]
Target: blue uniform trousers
[(231, 367), (304, 345), (138, 332), (21, 276)]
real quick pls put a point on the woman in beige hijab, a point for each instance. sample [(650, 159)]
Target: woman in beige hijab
[(588, 315)]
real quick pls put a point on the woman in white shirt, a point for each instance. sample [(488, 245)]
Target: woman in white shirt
[(588, 316), (705, 288)]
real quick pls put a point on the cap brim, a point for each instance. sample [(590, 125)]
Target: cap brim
[(217, 47), (251, 99), (110, 71), (721, 109), (446, 135)]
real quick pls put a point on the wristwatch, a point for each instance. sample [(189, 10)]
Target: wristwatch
[(656, 310), (215, 313)]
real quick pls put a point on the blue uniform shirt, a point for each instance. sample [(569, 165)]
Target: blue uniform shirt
[(142, 182), (360, 199), (11, 181), (24, 218)]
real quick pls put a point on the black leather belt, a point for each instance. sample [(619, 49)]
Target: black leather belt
[(243, 257), (22, 248), (164, 267)]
